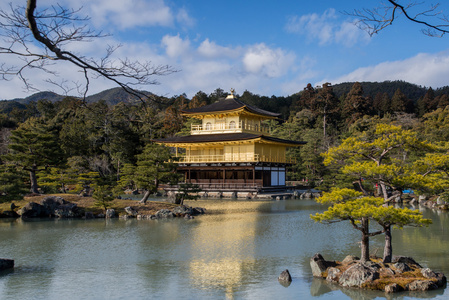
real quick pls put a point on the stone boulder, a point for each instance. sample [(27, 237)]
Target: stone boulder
[(333, 274), (51, 206), (130, 211), (6, 264), (421, 285), (199, 211), (51, 203), (285, 276), (406, 260), (164, 214), (440, 278), (319, 265), (182, 210), (350, 259), (392, 288), (110, 213), (69, 210), (401, 267), (31, 210), (357, 275)]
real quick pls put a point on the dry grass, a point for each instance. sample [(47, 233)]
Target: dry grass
[(88, 204)]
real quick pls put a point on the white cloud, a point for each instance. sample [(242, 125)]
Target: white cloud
[(260, 59), (422, 69), (130, 13), (211, 49), (184, 19), (175, 45), (326, 28)]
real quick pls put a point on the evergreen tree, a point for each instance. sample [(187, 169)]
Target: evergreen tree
[(12, 183), (34, 147), (424, 104), (377, 104), (350, 205), (398, 102), (443, 101), (385, 104), (381, 157), (200, 99), (103, 196), (154, 166), (355, 104), (325, 104)]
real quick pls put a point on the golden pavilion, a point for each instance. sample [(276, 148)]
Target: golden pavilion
[(232, 149)]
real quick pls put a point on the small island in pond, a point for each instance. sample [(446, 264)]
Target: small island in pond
[(402, 274)]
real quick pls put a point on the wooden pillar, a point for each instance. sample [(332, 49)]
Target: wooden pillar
[(190, 176), (254, 176), (224, 177)]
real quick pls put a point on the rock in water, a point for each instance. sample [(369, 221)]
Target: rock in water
[(392, 288), (357, 275), (332, 274), (285, 276), (6, 263), (110, 213), (164, 214), (318, 265), (421, 285), (130, 211)]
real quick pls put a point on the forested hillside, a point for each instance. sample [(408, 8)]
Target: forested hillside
[(65, 143)]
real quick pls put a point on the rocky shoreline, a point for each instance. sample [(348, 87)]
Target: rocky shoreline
[(403, 274), (57, 207)]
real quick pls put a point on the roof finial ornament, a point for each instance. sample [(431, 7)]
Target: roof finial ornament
[(232, 96)]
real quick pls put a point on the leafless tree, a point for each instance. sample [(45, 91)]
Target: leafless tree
[(373, 20), (40, 37)]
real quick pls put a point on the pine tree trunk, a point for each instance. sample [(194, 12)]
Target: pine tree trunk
[(33, 180), (388, 248), (383, 189), (145, 197), (365, 241)]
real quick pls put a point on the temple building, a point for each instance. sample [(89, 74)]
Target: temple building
[(232, 149)]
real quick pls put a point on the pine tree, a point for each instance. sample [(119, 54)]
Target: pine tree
[(379, 156), (34, 147), (359, 210), (398, 102), (12, 183), (355, 104), (154, 166), (103, 195)]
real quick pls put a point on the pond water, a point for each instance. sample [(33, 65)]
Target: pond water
[(236, 251)]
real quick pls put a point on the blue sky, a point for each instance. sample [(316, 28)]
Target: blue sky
[(265, 47)]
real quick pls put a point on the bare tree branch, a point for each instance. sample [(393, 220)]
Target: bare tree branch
[(373, 20), (56, 28)]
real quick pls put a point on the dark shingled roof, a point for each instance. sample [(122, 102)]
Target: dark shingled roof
[(228, 104), (205, 138)]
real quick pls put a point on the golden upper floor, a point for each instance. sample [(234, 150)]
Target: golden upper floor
[(230, 115)]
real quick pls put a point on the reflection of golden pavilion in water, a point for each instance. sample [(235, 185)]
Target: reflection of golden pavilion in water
[(232, 149), (224, 248)]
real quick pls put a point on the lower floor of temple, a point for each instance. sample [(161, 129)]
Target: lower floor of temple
[(235, 177)]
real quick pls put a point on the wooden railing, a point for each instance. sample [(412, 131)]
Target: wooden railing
[(230, 185), (228, 127), (234, 157)]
